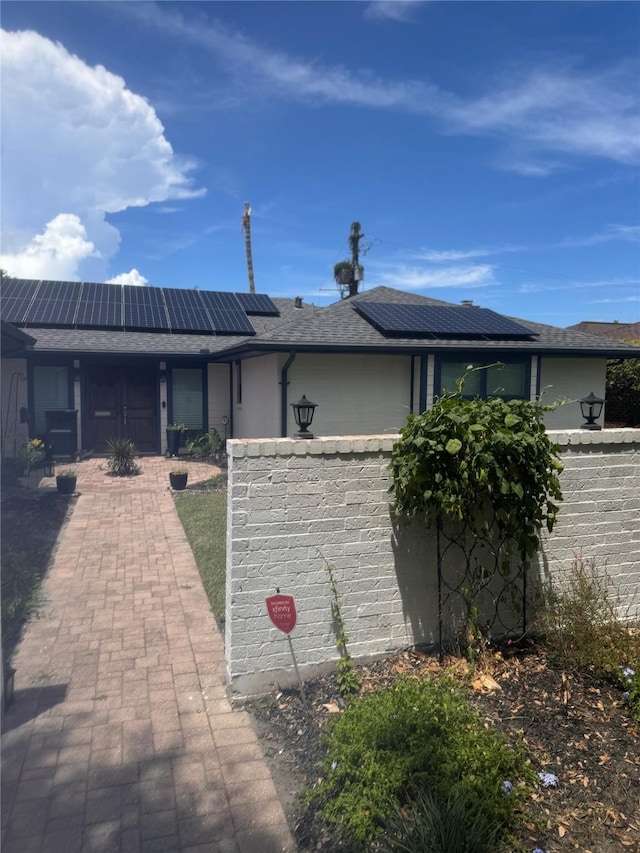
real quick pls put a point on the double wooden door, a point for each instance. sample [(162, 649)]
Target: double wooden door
[(120, 402)]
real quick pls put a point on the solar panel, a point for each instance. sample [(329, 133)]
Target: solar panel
[(186, 312), (258, 303), (59, 290), (219, 299), (15, 297), (100, 305), (144, 308), (437, 321), (60, 312), (231, 322)]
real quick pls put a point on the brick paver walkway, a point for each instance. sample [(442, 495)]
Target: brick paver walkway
[(121, 737)]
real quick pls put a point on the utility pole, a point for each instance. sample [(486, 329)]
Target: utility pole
[(349, 273), (246, 225)]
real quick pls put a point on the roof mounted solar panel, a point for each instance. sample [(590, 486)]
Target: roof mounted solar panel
[(15, 298), (258, 304), (55, 304), (219, 299), (100, 305), (231, 322), (437, 321), (185, 311), (144, 308)]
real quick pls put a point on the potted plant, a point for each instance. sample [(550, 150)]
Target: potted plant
[(66, 481), (174, 437), (178, 479)]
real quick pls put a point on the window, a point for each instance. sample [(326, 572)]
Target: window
[(508, 380), (50, 391), (187, 397)]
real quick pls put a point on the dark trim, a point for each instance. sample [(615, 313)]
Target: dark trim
[(412, 378), (284, 381), (424, 366), (231, 400)]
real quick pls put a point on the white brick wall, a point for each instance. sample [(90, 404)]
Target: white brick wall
[(295, 505)]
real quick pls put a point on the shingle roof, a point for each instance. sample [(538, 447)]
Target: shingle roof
[(613, 331), (340, 326)]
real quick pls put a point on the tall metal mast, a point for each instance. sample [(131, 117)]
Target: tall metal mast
[(246, 225)]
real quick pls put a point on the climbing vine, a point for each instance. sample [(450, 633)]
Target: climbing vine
[(488, 474)]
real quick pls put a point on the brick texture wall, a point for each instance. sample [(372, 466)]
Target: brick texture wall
[(295, 506)]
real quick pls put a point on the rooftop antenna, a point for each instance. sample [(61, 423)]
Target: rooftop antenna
[(246, 225), (349, 273)]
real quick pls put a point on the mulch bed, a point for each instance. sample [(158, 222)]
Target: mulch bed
[(574, 728)]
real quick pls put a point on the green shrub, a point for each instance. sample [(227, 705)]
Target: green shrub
[(454, 825), (121, 461), (580, 622), (20, 594), (416, 736), (207, 444)]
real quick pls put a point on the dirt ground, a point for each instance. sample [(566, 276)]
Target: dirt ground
[(572, 727)]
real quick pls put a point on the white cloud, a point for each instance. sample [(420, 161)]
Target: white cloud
[(626, 233), (54, 254), (132, 277), (395, 10), (79, 142), (415, 278)]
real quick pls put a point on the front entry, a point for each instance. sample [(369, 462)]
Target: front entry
[(120, 402)]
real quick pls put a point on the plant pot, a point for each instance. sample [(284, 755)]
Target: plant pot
[(66, 485), (174, 436), (178, 481)]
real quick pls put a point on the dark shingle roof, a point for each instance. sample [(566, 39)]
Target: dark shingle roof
[(613, 331)]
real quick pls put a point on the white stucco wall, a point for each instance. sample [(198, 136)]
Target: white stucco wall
[(218, 396), (14, 397), (295, 505), (570, 379), (355, 393), (259, 413)]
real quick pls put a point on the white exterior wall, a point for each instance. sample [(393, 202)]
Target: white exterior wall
[(14, 397), (570, 379), (355, 394), (218, 397), (293, 505), (259, 413)]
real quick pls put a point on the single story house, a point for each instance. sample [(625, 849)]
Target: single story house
[(92, 361)]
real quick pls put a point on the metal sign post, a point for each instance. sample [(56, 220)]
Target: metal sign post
[(282, 612)]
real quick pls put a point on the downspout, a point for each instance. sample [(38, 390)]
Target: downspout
[(412, 380), (283, 393), (231, 405)]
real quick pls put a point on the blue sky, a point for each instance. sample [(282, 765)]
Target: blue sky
[(490, 151)]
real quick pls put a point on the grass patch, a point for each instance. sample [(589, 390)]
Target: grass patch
[(204, 518)]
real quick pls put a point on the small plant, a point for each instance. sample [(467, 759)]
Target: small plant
[(32, 452), (454, 825), (580, 623), (348, 678), (207, 444), (21, 594), (178, 427), (416, 736), (630, 679), (179, 471), (121, 462), (68, 473)]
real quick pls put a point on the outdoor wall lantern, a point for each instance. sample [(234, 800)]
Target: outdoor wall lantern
[(591, 410), (303, 413), (49, 467)]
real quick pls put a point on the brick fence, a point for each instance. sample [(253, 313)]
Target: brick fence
[(295, 506)]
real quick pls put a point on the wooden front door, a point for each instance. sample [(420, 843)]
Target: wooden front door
[(120, 402)]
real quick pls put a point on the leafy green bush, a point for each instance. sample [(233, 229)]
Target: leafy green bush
[(20, 594), (207, 444), (454, 825), (121, 461), (416, 736)]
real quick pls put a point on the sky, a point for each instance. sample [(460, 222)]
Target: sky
[(490, 150)]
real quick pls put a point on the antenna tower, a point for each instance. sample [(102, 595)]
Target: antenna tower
[(246, 225)]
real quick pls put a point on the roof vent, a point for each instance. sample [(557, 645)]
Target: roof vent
[(298, 302), (468, 303)]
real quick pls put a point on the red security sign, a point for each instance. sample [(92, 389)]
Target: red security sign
[(282, 612)]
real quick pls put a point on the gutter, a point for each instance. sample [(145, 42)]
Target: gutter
[(283, 392)]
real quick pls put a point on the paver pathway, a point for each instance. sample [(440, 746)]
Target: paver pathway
[(121, 737)]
